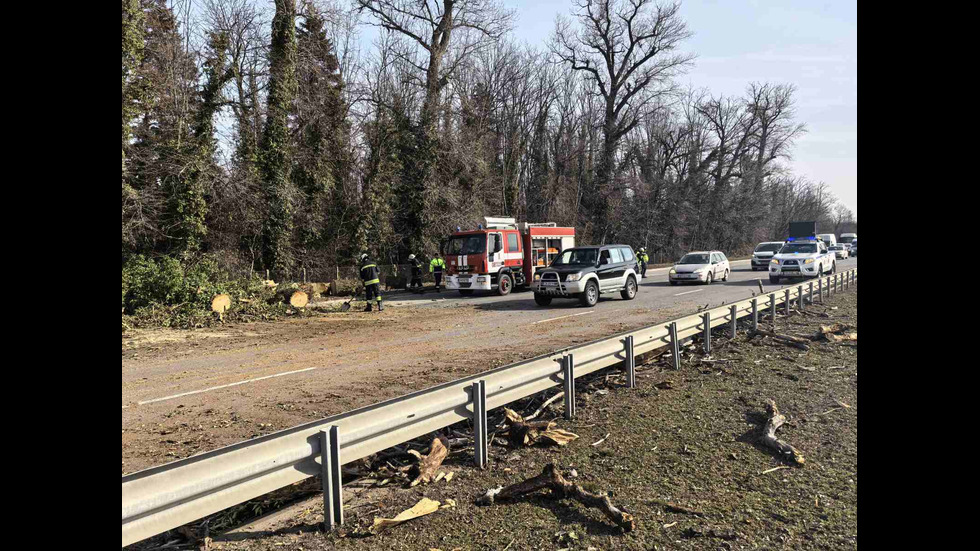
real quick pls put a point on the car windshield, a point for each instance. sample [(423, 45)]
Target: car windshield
[(576, 256), (467, 244), (768, 247), (847, 239), (695, 259), (836, 247), (804, 248)]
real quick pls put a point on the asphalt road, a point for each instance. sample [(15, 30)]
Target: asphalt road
[(195, 393)]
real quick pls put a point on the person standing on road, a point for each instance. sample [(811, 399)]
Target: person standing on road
[(370, 275), (643, 261), (436, 266), (416, 273)]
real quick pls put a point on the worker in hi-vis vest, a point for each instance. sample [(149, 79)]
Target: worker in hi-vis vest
[(370, 275), (643, 261), (436, 266)]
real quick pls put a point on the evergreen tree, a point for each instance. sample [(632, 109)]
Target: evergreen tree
[(320, 127), (276, 155), (187, 201)]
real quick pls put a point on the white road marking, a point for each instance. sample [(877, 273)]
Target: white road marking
[(222, 386), (561, 317), (689, 292)]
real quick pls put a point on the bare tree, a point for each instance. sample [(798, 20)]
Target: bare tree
[(628, 49), (431, 24)]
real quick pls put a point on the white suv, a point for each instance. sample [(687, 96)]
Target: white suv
[(700, 266), (802, 258)]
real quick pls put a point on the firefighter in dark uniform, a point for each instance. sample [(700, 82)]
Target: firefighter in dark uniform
[(643, 261), (370, 275), (416, 284), (436, 266)]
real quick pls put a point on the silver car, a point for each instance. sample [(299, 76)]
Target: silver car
[(840, 250)]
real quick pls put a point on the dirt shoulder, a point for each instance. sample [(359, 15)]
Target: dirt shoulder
[(687, 437)]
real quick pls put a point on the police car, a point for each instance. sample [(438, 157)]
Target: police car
[(802, 257)]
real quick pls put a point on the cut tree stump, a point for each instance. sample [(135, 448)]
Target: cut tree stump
[(552, 479), (295, 297), (769, 439), (221, 303), (315, 290)]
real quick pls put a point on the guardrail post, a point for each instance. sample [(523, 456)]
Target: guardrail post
[(810, 292), (479, 396), (569, 384), (675, 346), (630, 362), (799, 298), (706, 319), (847, 281), (787, 301), (333, 498), (755, 314), (734, 310), (820, 289), (772, 308)]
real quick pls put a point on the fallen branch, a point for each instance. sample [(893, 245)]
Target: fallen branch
[(785, 339), (547, 403), (674, 508), (425, 470), (551, 479), (769, 439), (521, 433)]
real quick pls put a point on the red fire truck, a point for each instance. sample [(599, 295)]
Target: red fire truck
[(500, 255)]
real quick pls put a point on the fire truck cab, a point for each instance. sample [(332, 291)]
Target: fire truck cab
[(499, 255)]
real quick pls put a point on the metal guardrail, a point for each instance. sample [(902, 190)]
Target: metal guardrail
[(167, 496)]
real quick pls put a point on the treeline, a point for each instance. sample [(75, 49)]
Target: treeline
[(274, 137)]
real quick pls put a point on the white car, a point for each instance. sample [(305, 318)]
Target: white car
[(802, 258), (841, 250), (700, 266)]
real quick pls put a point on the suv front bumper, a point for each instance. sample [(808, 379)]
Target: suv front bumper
[(806, 270), (561, 289)]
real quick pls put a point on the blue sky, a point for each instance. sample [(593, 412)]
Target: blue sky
[(812, 45)]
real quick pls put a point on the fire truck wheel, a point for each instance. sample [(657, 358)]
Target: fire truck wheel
[(542, 300), (466, 292), (591, 294), (505, 285), (630, 290)]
